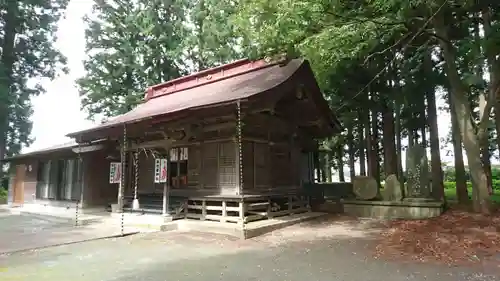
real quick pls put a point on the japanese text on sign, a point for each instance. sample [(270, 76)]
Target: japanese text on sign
[(160, 170), (115, 172)]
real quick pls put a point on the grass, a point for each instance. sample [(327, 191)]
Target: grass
[(451, 194)]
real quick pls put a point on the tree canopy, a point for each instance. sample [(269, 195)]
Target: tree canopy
[(26, 52)]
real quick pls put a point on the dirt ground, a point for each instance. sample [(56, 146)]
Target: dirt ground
[(22, 232), (457, 237), (329, 249)]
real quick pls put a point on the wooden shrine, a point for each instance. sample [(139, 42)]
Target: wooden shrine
[(238, 140)]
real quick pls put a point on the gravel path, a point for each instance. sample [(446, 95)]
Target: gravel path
[(324, 250)]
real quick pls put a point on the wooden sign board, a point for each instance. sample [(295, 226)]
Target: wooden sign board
[(161, 168), (115, 172)]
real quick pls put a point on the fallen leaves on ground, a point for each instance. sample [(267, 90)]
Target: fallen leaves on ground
[(456, 237)]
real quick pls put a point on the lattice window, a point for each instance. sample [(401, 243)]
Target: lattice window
[(228, 177)]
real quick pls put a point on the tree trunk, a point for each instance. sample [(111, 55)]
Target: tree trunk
[(494, 72), (361, 138), (459, 94), (399, 146), (411, 138), (460, 177), (368, 137), (437, 171), (422, 120), (340, 159), (390, 158), (374, 149), (352, 159), (7, 63)]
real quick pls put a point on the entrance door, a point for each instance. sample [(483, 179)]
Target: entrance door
[(18, 187)]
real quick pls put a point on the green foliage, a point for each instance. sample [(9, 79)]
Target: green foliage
[(26, 51), (130, 45), (449, 176), (452, 185), (211, 38), (328, 34), (451, 192), (3, 193), (135, 44)]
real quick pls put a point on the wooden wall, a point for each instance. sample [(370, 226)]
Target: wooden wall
[(271, 159), (212, 166), (271, 155)]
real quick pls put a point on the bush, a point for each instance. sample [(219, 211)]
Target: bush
[(453, 185), (449, 176), (449, 185), (3, 193)]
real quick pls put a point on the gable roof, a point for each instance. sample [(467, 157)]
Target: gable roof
[(228, 83)]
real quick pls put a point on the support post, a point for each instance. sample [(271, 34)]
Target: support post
[(121, 187), (241, 207), (269, 209), (204, 209), (239, 155), (224, 212), (166, 191), (165, 198), (80, 182)]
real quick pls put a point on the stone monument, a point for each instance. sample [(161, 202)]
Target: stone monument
[(364, 188), (417, 173), (392, 189)]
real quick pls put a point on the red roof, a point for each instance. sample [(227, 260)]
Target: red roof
[(205, 88), (204, 77)]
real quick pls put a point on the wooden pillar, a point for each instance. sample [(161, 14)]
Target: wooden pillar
[(224, 211), (241, 220), (123, 159), (165, 199), (81, 174), (239, 156), (204, 209), (269, 209), (166, 185)]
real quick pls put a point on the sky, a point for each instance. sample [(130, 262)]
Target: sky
[(57, 112)]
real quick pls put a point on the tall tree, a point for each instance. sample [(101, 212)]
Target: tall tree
[(135, 44), (430, 95), (130, 45), (212, 39), (26, 51), (329, 34)]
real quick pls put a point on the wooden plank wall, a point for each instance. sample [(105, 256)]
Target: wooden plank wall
[(194, 166), (248, 165)]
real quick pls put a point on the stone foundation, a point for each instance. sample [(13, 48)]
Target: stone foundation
[(393, 209)]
